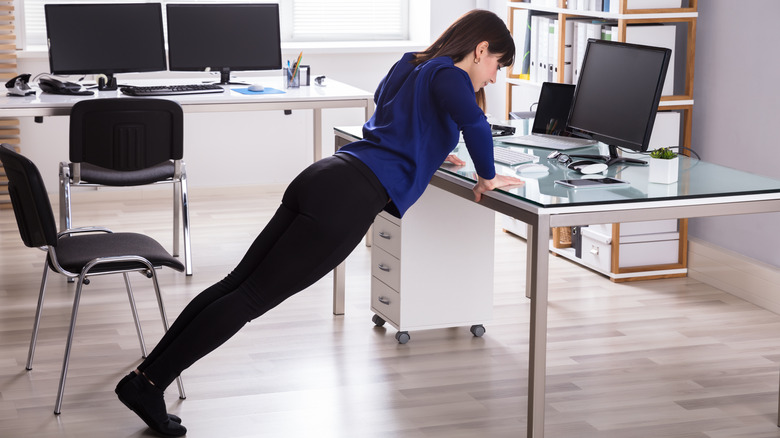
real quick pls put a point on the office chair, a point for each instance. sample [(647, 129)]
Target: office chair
[(78, 253), (124, 142)]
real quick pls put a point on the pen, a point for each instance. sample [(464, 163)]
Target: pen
[(297, 64)]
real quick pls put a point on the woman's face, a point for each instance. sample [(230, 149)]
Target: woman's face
[(486, 70)]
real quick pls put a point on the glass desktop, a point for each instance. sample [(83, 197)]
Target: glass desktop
[(697, 179)]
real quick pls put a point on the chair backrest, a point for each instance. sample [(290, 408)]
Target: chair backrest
[(126, 133), (29, 198)]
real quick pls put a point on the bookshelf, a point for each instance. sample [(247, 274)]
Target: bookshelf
[(613, 246)]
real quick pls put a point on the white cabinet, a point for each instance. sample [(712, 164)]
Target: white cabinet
[(434, 268)]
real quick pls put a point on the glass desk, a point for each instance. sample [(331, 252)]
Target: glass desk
[(703, 189)]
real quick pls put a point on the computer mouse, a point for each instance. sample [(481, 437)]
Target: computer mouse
[(531, 168), (256, 87)]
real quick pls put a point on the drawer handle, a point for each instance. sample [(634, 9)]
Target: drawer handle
[(384, 235), (594, 250), (384, 267), (384, 300)]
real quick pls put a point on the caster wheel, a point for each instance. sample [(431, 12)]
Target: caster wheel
[(378, 321), (478, 330), (402, 337)]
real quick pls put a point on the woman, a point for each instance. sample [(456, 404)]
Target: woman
[(422, 105)]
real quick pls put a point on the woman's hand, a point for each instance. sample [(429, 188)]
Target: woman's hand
[(452, 158), (500, 181)]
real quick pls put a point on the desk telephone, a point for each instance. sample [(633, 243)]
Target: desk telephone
[(55, 86)]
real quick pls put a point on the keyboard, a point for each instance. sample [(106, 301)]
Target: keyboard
[(549, 141), (512, 157), (166, 90)]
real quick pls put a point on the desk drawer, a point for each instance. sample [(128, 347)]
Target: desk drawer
[(387, 235), (386, 267), (385, 301)]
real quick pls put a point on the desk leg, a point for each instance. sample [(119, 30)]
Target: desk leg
[(529, 254), (339, 281), (537, 272), (317, 134)]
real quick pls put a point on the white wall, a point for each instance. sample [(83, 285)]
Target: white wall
[(736, 113)]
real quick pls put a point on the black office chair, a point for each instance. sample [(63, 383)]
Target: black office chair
[(124, 142), (78, 253)]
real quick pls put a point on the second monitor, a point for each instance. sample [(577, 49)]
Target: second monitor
[(224, 38)]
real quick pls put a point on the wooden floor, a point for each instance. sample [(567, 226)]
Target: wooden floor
[(659, 358)]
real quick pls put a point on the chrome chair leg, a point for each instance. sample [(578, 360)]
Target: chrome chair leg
[(37, 323), (65, 213), (185, 206), (69, 344), (176, 214), (164, 318), (135, 315)]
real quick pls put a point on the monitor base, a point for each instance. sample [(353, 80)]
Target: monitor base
[(612, 158)]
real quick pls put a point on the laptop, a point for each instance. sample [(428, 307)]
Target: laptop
[(552, 114)]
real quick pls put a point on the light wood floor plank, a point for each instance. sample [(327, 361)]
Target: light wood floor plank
[(658, 358)]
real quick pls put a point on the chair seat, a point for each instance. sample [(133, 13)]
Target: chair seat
[(99, 175), (74, 252)]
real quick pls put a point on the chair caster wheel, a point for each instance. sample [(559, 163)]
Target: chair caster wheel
[(478, 330), (402, 337)]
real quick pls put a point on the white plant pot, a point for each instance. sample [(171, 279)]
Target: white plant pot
[(663, 171)]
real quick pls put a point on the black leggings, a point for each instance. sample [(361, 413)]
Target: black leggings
[(324, 214)]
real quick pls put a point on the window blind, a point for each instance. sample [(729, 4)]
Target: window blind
[(301, 20)]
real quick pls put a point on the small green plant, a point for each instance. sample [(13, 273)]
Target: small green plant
[(663, 153)]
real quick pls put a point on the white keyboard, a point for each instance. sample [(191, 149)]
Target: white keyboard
[(549, 141), (512, 157)]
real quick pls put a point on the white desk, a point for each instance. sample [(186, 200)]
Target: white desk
[(704, 189), (333, 95)]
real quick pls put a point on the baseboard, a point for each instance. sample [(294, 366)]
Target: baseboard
[(741, 276)]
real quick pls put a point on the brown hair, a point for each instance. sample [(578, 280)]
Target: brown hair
[(463, 36)]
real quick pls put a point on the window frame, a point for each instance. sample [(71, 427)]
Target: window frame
[(416, 23)]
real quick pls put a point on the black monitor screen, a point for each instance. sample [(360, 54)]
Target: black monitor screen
[(224, 38), (617, 94), (105, 38)]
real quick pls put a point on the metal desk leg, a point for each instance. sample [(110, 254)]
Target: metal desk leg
[(317, 134), (537, 271), (529, 254), (339, 282)]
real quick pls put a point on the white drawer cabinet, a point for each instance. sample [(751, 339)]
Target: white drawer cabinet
[(434, 268)]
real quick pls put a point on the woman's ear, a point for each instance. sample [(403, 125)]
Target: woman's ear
[(480, 50)]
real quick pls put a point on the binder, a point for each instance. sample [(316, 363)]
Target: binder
[(535, 46), (521, 30)]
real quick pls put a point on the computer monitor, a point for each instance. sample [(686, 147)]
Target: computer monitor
[(224, 38), (105, 39), (617, 96)]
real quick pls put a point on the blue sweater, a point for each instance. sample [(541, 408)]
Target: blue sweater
[(420, 112)]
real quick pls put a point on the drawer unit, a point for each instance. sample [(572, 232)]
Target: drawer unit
[(412, 292)]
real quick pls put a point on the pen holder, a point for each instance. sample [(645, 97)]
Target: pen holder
[(291, 81)]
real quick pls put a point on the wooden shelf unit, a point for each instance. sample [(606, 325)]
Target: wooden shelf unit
[(682, 102)]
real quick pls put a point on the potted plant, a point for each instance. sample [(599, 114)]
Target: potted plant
[(663, 166)]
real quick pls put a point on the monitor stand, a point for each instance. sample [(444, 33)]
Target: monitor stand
[(613, 158), (224, 78)]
